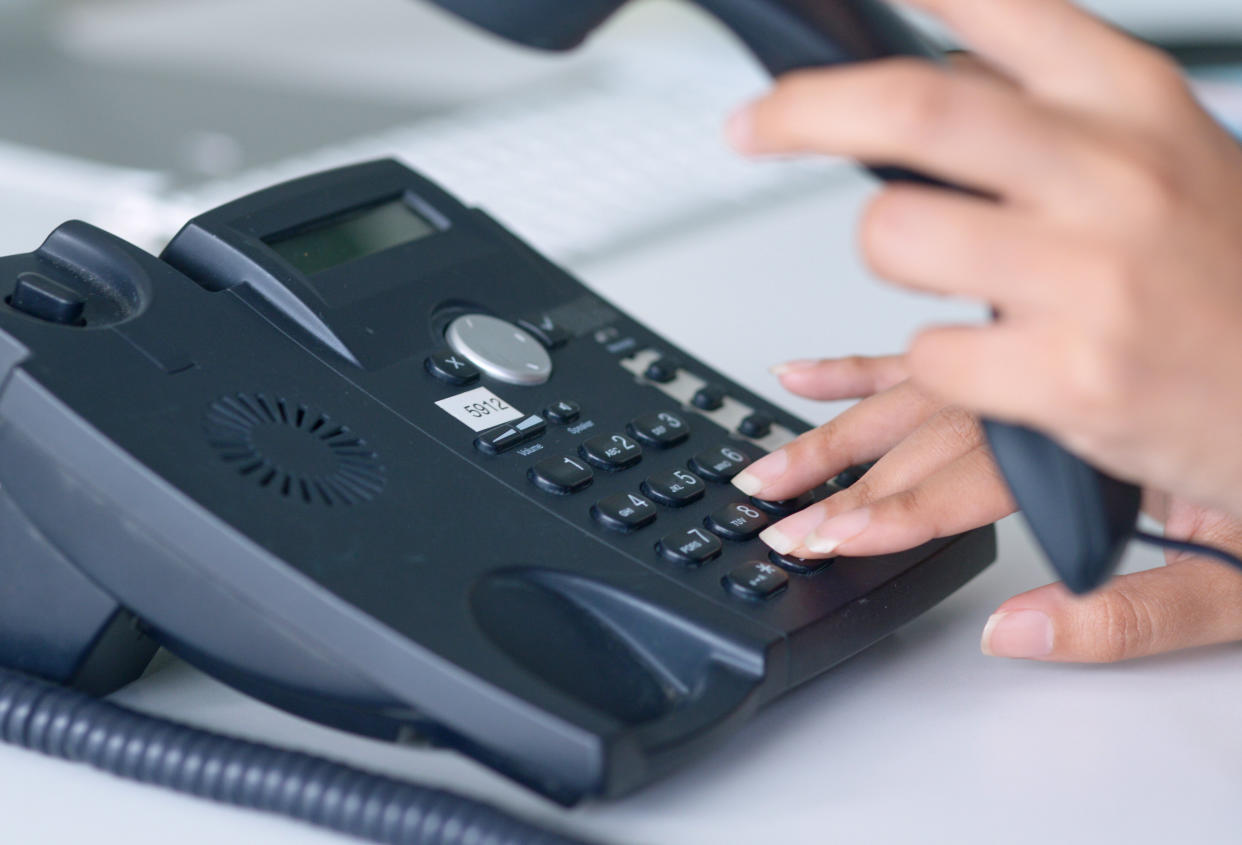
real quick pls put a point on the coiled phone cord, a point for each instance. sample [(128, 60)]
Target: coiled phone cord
[(71, 725)]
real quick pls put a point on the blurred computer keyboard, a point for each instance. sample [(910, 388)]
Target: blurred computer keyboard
[(582, 165)]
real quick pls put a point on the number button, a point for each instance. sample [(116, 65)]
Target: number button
[(624, 512), (720, 463), (756, 580), (692, 547), (784, 507), (450, 367), (561, 475), (661, 430), (737, 522), (675, 489), (611, 451)]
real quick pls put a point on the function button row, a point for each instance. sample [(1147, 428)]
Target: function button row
[(563, 411), (450, 367), (546, 330), (624, 512), (758, 579), (757, 425), (675, 489), (691, 547), (505, 437), (737, 522), (720, 463), (662, 370), (662, 430), (561, 475), (611, 451), (709, 397)]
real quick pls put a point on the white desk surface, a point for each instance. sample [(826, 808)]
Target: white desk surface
[(919, 739)]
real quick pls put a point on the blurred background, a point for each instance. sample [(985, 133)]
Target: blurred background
[(137, 113)]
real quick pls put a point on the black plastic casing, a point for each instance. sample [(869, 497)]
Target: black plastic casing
[(448, 597)]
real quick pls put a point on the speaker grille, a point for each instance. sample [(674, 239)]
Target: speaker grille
[(295, 450)]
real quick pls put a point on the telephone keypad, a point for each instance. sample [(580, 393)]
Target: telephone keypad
[(624, 512), (675, 489), (662, 430), (693, 547), (561, 475), (720, 463), (611, 451), (758, 579), (737, 522)]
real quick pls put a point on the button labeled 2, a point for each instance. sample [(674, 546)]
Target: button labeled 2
[(611, 451)]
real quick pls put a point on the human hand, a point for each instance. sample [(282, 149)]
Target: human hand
[(1110, 237), (934, 477)]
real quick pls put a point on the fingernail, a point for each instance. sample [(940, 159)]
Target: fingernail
[(740, 130), (762, 472), (1018, 633), (839, 529), (792, 366), (788, 534)]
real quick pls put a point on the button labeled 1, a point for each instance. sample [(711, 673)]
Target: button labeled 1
[(561, 475)]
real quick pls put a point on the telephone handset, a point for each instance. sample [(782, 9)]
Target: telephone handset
[(1081, 516)]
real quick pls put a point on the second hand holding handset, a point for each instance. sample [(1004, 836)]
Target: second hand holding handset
[(1082, 517)]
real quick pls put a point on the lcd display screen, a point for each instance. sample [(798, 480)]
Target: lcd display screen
[(353, 235)]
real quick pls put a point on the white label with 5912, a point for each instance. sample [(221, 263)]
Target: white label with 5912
[(480, 409)]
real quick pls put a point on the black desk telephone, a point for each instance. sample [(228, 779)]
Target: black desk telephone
[(355, 449), (360, 452)]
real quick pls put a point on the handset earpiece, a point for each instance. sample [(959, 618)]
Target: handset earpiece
[(1081, 517)]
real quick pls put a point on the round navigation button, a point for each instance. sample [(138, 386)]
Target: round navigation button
[(500, 349)]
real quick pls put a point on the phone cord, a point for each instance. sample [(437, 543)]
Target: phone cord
[(71, 725), (1189, 548)]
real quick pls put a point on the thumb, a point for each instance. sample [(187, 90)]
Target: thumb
[(1190, 603)]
